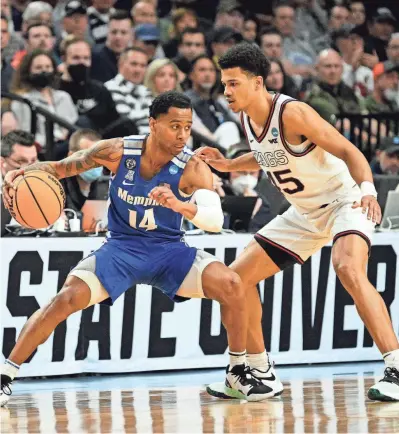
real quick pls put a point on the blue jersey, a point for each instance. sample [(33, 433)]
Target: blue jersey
[(131, 212)]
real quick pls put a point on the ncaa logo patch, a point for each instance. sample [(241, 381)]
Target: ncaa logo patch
[(274, 132), (173, 169), (130, 163)]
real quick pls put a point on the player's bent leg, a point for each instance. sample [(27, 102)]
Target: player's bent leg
[(350, 255)]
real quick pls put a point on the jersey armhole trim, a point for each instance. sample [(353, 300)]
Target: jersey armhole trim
[(283, 141), (268, 121)]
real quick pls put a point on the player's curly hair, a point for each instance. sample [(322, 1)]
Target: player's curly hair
[(248, 57), (163, 102)]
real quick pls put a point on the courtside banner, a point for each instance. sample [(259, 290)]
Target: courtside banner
[(307, 315)]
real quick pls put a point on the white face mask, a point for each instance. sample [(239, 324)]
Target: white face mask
[(243, 182), (390, 94), (207, 86)]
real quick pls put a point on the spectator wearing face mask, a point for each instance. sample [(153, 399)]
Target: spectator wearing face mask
[(83, 186), (383, 98), (386, 161), (34, 80)]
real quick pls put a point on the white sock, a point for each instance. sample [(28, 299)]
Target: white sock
[(10, 369), (237, 358), (391, 359), (259, 361)]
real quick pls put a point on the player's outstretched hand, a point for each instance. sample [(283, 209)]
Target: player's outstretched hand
[(371, 206), (165, 197), (213, 157), (8, 187)]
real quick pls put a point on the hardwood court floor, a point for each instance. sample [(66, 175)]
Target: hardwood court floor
[(321, 399)]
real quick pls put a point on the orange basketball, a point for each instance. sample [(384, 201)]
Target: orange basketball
[(38, 200)]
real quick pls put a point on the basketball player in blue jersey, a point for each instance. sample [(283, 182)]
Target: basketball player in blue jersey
[(329, 183), (153, 180)]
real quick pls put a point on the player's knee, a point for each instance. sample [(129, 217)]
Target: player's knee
[(348, 271), (233, 291), (68, 301)]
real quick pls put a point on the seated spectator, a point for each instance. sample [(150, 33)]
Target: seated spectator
[(83, 186), (311, 19), (13, 42), (271, 43), (351, 47), (230, 13), (210, 117), (181, 19), (99, 14), (386, 80), (18, 150), (223, 38), (191, 44), (278, 81), (162, 75), (37, 12), (329, 95), (386, 161), (74, 22), (92, 99), (131, 98), (37, 35), (382, 26), (357, 14), (6, 69), (298, 52), (393, 56), (251, 28), (147, 37), (34, 80), (144, 12), (119, 37)]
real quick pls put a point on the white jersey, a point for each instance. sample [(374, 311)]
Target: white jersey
[(308, 176)]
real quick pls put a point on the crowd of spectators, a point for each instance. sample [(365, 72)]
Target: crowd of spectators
[(99, 64)]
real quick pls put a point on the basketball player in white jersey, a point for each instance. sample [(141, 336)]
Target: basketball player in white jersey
[(329, 183)]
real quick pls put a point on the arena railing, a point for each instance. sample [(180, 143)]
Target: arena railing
[(49, 120), (366, 131)]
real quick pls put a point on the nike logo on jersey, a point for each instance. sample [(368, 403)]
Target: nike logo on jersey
[(127, 183)]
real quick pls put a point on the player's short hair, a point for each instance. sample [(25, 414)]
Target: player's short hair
[(15, 137), (83, 133), (163, 102), (248, 57)]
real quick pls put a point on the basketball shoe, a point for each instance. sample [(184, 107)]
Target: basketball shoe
[(270, 379), (386, 389), (5, 389), (241, 384)]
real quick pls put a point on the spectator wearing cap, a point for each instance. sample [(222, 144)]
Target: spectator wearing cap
[(75, 21), (218, 120), (131, 97), (105, 57), (382, 26), (144, 12), (357, 15), (230, 13), (351, 47), (223, 39), (386, 79), (148, 36), (311, 19), (191, 45), (182, 19), (386, 160), (99, 14), (298, 52)]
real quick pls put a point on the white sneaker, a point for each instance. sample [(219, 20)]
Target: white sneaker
[(5, 390), (269, 378), (241, 384), (386, 389)]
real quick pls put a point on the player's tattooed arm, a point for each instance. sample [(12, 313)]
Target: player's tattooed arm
[(105, 153)]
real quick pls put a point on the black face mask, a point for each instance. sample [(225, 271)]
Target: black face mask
[(79, 73), (41, 80)]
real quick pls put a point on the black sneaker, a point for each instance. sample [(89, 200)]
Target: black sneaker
[(386, 389), (5, 389), (241, 384)]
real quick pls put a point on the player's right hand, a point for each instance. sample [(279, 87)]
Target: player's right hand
[(8, 188), (213, 157)]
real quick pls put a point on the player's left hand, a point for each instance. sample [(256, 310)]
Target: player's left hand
[(165, 197), (370, 205)]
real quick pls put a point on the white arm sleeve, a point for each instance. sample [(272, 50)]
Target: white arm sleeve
[(209, 216)]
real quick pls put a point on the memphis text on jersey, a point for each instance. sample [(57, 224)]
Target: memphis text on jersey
[(136, 200)]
